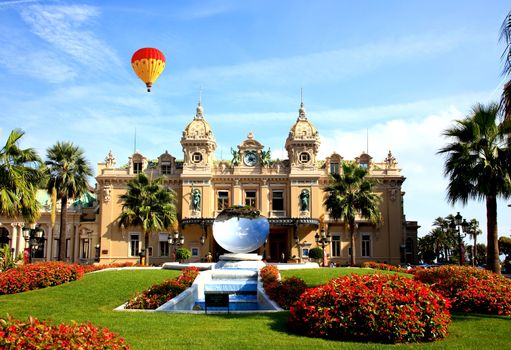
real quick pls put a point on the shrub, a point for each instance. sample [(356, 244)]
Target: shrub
[(385, 267), (470, 289), (159, 294), (183, 254), (381, 308), (35, 334), (285, 292), (269, 273), (316, 253), (38, 275)]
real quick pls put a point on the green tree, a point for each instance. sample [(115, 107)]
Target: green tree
[(349, 194), (20, 176), (478, 165), (183, 254), (427, 248), (150, 205), (68, 171), (505, 35), (473, 231)]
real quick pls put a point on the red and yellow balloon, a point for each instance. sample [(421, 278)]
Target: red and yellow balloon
[(148, 63)]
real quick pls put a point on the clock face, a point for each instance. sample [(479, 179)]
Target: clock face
[(250, 159)]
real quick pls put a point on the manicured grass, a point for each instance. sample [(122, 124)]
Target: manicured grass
[(315, 277), (94, 297)]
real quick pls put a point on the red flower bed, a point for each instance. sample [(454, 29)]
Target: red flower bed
[(35, 334), (379, 308), (470, 289), (92, 268), (385, 267), (38, 275), (159, 294), (284, 292)]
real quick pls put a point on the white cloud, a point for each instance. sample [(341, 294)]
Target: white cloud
[(63, 27), (328, 66)]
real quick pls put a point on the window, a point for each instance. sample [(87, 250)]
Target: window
[(163, 244), (222, 200), (366, 245), (305, 157), (334, 168), (150, 250), (250, 198), (364, 165), (164, 248), (196, 157), (195, 252), (85, 248), (336, 245), (305, 252), (134, 244), (277, 200), (165, 168), (137, 168)]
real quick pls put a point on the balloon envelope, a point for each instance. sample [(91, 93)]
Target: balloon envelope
[(148, 63)]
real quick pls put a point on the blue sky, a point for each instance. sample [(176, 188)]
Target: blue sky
[(403, 70)]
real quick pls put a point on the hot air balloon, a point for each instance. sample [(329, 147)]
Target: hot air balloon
[(148, 63)]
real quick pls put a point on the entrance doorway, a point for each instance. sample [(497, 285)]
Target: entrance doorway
[(278, 247)]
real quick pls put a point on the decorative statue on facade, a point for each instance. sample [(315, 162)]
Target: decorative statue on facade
[(196, 198), (304, 200), (235, 157), (266, 157)]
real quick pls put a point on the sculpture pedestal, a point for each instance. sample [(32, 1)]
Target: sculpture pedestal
[(240, 261)]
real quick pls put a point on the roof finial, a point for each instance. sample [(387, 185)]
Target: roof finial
[(200, 111), (301, 113)]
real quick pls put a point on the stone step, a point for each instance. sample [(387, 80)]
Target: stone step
[(231, 286)]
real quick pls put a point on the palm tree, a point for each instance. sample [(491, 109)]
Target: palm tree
[(473, 231), (505, 35), (20, 176), (150, 205), (67, 173), (349, 194), (478, 164)]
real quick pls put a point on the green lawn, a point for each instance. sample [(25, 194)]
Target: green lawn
[(94, 297)]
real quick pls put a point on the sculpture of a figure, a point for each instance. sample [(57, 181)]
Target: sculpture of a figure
[(196, 198), (235, 157), (266, 157), (304, 200)]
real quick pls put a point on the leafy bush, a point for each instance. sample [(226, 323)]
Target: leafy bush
[(159, 294), (316, 253), (380, 308), (7, 260), (381, 266), (183, 254), (269, 273), (285, 292), (35, 334), (470, 289), (38, 275)]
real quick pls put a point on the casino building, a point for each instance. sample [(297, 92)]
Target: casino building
[(288, 192)]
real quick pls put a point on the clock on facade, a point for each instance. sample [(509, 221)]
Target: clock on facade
[(250, 158)]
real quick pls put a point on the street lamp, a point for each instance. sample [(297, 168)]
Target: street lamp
[(34, 237), (176, 239), (323, 239), (460, 224)]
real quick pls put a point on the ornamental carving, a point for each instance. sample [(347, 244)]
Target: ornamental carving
[(107, 193)]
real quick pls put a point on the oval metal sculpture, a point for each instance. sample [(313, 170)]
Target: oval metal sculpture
[(148, 63), (240, 229)]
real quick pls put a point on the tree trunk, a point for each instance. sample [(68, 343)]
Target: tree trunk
[(146, 246), (492, 252), (352, 244), (63, 229)]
